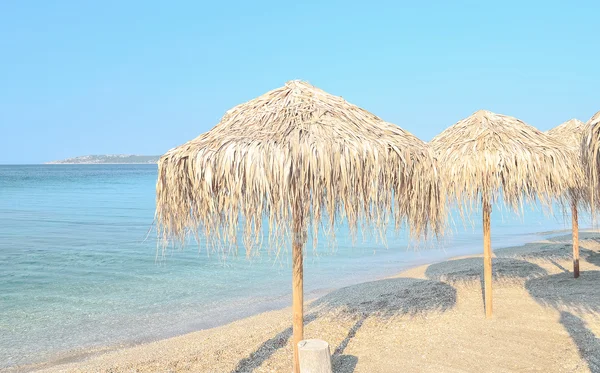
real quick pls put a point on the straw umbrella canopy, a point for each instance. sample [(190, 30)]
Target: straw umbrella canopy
[(297, 158), (487, 155), (570, 134), (590, 158)]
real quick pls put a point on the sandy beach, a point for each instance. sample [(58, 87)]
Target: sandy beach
[(426, 319), (276, 187)]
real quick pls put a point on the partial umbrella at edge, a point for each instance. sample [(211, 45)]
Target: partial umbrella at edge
[(590, 159), (570, 134), (487, 155), (296, 157)]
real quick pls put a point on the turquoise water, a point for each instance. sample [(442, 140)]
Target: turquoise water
[(79, 269)]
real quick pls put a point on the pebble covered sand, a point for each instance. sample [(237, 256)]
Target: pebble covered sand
[(426, 319)]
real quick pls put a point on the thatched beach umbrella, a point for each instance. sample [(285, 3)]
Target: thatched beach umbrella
[(296, 157), (488, 155), (570, 134), (590, 158)]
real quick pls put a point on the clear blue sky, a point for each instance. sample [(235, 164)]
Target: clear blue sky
[(82, 77)]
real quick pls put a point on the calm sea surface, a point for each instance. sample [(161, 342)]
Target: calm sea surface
[(78, 267)]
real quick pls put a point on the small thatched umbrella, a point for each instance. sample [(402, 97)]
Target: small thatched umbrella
[(294, 157), (487, 155), (590, 158), (570, 134)]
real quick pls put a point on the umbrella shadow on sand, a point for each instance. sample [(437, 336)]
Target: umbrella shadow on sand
[(593, 258), (268, 348), (385, 299), (565, 293), (587, 343), (471, 270), (551, 252)]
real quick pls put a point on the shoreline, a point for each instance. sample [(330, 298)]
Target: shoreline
[(86, 354)]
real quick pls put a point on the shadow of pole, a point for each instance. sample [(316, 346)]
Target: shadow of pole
[(587, 343), (346, 363), (561, 267), (351, 333), (482, 284), (268, 348), (382, 298)]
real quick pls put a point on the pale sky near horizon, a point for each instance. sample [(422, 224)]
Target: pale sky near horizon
[(141, 77)]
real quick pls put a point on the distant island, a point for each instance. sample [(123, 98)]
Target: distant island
[(110, 159)]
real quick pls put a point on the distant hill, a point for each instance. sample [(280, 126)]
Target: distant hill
[(110, 159)]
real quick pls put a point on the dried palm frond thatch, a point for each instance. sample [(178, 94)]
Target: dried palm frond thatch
[(296, 157), (297, 150), (487, 155), (570, 134), (590, 158)]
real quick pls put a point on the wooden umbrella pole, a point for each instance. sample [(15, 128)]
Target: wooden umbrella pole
[(575, 228), (297, 295), (487, 256)]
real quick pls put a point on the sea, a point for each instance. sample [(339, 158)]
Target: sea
[(80, 270)]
